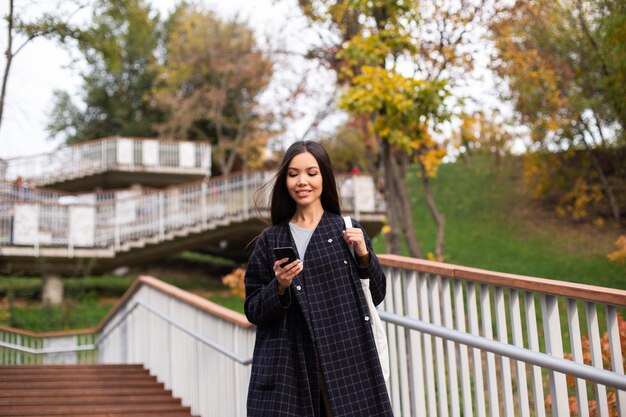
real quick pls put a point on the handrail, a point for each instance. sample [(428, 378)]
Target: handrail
[(46, 351), (440, 333), (182, 295), (115, 223), (213, 345), (522, 282), (125, 153), (567, 367)]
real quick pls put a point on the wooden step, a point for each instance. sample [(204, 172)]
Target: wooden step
[(127, 409), (85, 391), (76, 384), (162, 396), (96, 413), (85, 408), (29, 392), (80, 377)]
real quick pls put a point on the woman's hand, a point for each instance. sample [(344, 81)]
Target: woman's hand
[(285, 275), (354, 236)]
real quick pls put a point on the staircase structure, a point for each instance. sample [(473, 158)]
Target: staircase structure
[(85, 391), (44, 230)]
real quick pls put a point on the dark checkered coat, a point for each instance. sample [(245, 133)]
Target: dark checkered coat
[(324, 307)]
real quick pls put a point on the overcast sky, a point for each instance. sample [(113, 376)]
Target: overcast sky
[(43, 66)]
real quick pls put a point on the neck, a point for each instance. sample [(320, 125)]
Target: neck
[(308, 216)]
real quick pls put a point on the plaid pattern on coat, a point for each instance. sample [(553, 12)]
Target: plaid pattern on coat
[(324, 308)]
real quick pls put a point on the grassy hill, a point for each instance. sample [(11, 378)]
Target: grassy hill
[(492, 224)]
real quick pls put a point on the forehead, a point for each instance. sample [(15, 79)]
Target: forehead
[(303, 160)]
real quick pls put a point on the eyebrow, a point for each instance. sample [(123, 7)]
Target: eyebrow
[(307, 168)]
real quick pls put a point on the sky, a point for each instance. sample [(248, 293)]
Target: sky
[(43, 66)]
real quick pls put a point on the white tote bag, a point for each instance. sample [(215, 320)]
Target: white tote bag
[(380, 337)]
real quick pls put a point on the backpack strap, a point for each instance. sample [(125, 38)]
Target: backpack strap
[(348, 222)]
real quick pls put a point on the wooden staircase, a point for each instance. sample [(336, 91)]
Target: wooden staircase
[(85, 391)]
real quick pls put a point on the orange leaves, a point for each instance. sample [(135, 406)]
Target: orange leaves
[(606, 364), (235, 280), (619, 255), (575, 203)]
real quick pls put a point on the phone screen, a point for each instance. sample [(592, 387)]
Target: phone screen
[(285, 252)]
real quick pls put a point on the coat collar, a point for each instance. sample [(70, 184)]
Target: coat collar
[(327, 228)]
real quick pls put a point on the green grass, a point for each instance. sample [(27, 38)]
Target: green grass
[(492, 224), (233, 302), (87, 300), (73, 315)]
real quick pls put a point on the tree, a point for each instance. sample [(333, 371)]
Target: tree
[(489, 131), (119, 47), (209, 85), (20, 33), (565, 65), (400, 61)]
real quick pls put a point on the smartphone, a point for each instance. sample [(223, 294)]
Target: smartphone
[(285, 252)]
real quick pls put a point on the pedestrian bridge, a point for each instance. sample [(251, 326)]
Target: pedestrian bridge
[(44, 230), (462, 341)]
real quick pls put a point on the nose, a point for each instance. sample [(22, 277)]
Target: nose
[(302, 179)]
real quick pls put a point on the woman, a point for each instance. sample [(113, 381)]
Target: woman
[(314, 353)]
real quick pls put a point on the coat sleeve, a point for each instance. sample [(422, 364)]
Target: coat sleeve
[(263, 304), (373, 271)]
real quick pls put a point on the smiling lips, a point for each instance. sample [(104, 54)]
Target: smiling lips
[(302, 193)]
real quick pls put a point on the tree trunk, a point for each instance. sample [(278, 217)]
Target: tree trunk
[(52, 291), (9, 59), (615, 208), (393, 237), (438, 217), (397, 198)]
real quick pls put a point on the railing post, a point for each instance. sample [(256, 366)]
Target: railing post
[(617, 361), (554, 347), (161, 216), (596, 356), (245, 195), (577, 355), (492, 380), (203, 204)]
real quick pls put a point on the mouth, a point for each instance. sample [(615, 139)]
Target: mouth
[(302, 193)]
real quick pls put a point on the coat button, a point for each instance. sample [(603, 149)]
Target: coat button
[(298, 287), (330, 241), (367, 318), (345, 262)]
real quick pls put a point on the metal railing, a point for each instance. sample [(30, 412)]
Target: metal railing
[(116, 220), (465, 341), (462, 341), (110, 154)]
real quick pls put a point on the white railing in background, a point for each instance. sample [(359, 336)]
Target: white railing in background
[(116, 220), (19, 347), (110, 154), (463, 342)]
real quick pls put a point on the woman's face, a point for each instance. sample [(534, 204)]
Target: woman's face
[(304, 180)]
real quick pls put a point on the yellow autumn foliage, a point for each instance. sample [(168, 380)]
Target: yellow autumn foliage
[(235, 281), (619, 255)]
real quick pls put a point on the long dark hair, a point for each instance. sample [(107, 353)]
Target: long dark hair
[(282, 206)]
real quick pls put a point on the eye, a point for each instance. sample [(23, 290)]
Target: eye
[(313, 173)]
